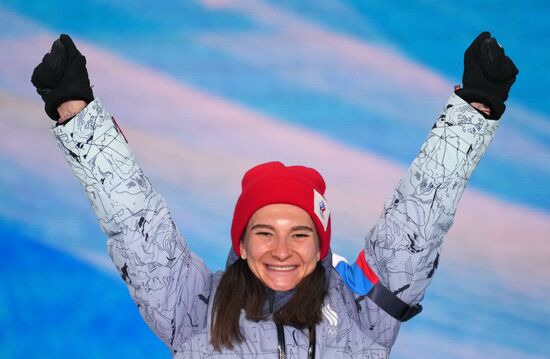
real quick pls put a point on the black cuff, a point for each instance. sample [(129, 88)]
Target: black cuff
[(73, 92), (391, 304), (474, 95)]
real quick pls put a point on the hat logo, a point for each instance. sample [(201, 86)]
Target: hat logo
[(320, 207)]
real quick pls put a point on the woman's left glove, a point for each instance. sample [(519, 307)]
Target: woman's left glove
[(62, 76), (488, 74)]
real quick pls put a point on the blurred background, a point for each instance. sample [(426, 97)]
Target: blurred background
[(205, 89)]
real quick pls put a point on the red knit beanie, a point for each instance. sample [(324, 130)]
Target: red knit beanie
[(273, 183)]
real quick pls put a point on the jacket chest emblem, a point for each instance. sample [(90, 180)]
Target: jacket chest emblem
[(332, 319)]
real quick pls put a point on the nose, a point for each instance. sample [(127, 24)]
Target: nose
[(281, 250)]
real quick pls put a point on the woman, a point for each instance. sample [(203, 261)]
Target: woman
[(283, 293)]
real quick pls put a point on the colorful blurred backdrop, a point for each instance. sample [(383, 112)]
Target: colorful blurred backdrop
[(206, 89)]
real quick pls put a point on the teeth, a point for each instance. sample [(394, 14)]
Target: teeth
[(281, 268)]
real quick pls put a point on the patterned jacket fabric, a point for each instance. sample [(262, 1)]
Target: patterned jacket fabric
[(174, 290)]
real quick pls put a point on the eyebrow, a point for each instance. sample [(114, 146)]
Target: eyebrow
[(259, 226), (302, 228), (267, 226)]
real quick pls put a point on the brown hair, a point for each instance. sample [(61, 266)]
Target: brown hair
[(240, 289)]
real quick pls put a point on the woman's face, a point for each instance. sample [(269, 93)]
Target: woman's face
[(281, 245)]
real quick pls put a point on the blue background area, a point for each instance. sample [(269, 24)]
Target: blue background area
[(425, 30), (43, 290), (44, 294), (163, 36)]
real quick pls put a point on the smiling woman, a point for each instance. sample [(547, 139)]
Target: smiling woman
[(281, 230), (281, 280), (280, 255)]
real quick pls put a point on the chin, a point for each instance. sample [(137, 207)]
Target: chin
[(281, 287)]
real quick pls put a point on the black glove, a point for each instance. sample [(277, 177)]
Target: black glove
[(62, 76), (488, 74)]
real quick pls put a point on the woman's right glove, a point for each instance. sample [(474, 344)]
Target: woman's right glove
[(62, 76), (488, 74)]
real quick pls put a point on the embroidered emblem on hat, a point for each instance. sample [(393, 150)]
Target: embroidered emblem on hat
[(320, 207)]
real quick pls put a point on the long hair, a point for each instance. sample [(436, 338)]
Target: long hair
[(240, 289)]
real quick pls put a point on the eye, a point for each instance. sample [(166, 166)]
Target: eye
[(301, 235), (264, 234)]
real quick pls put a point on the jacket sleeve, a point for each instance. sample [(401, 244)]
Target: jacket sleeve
[(169, 284), (402, 250)]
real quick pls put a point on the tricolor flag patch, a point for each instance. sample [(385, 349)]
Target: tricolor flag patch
[(320, 207)]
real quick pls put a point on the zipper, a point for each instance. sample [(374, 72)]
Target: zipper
[(281, 346), (281, 341)]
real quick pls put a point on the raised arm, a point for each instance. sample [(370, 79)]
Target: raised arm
[(402, 251), (169, 284), (404, 246)]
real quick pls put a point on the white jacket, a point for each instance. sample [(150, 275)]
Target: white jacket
[(174, 290)]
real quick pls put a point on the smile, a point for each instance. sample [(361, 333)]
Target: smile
[(281, 268)]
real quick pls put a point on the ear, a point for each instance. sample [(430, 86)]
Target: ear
[(318, 245), (242, 248)]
